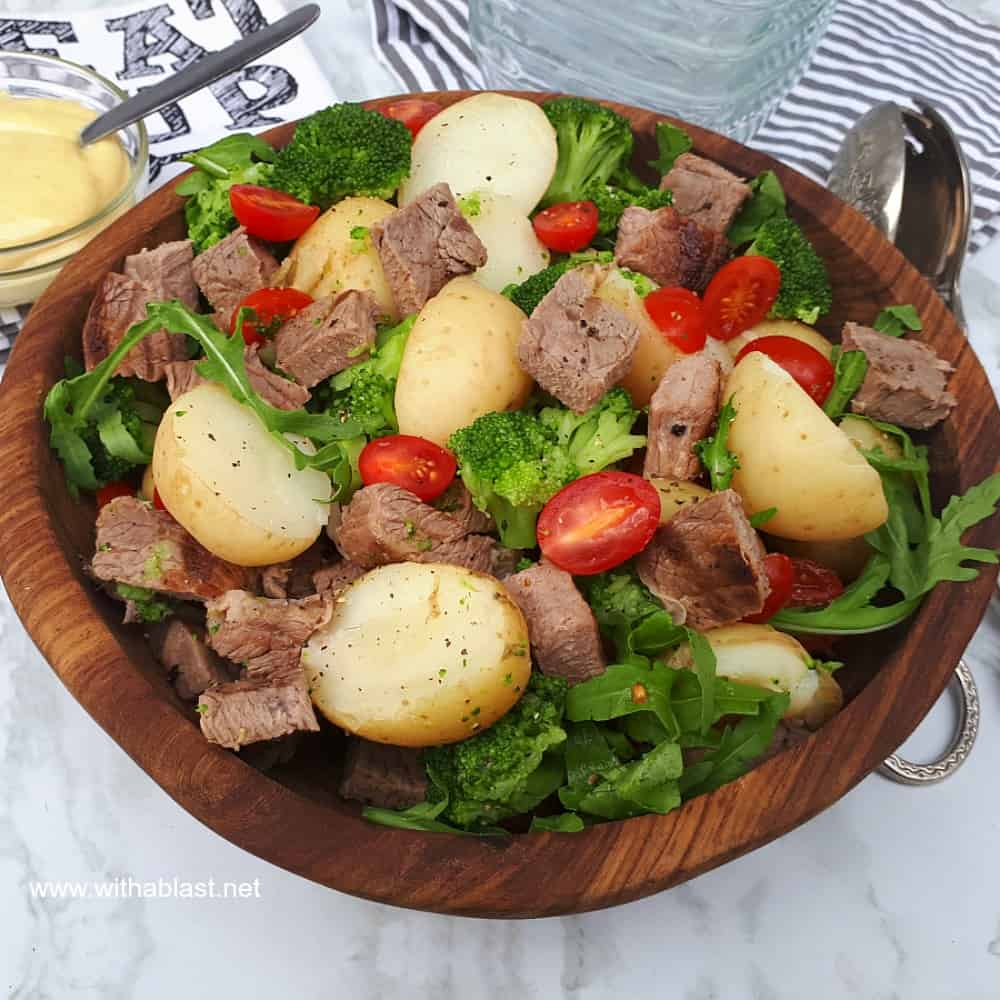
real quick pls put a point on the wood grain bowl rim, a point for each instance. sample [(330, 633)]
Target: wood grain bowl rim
[(526, 876)]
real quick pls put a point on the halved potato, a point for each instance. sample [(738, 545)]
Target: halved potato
[(513, 251), (488, 142), (795, 459), (865, 435), (418, 654), (223, 476), (675, 494), (781, 328)]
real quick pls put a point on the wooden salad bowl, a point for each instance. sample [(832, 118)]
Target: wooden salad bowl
[(292, 816)]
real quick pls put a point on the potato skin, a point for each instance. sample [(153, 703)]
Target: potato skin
[(782, 328), (675, 494), (419, 654), (794, 458), (460, 362), (231, 484)]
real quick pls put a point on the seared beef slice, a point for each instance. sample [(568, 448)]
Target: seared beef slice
[(565, 641), (181, 649), (710, 560), (681, 413), (669, 248), (381, 775), (575, 345), (229, 271), (905, 382), (144, 547), (424, 245), (256, 709), (167, 271), (705, 192), (328, 336)]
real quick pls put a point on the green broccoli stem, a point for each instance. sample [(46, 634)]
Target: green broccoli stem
[(515, 524)]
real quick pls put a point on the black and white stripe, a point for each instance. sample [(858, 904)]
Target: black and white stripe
[(874, 50)]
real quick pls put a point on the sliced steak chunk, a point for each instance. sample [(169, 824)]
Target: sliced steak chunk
[(166, 271), (144, 547), (709, 560), (331, 580), (229, 271), (381, 775), (905, 382), (457, 501), (328, 336), (119, 303), (575, 345), (294, 578), (425, 245), (681, 413), (181, 648), (565, 641), (475, 552), (705, 192), (669, 248)]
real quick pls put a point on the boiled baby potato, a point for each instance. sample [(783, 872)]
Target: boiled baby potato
[(460, 362), (866, 436), (781, 328), (488, 142), (418, 654), (222, 475), (148, 487), (513, 251), (794, 458), (675, 494), (326, 259)]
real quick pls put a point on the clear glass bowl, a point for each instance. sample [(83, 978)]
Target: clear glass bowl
[(28, 75)]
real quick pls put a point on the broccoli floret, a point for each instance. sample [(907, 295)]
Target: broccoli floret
[(489, 776), (593, 143), (611, 201), (344, 150), (805, 286), (531, 291), (601, 436), (149, 606)]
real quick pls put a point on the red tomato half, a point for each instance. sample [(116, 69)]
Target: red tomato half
[(678, 315), (414, 112), (814, 585), (568, 226), (740, 296), (416, 464), (781, 576), (158, 500), (598, 521), (113, 491), (804, 363), (272, 306), (269, 214)]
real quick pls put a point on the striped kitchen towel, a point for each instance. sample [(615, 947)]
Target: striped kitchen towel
[(874, 50)]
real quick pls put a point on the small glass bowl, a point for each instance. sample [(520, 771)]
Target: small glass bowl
[(29, 75)]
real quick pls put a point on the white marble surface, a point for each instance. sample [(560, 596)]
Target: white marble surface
[(889, 894)]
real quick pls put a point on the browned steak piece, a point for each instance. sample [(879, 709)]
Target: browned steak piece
[(705, 192), (328, 336), (669, 248), (181, 648), (575, 345), (681, 413), (294, 578), (475, 552), (331, 580), (708, 559), (144, 547), (565, 641), (457, 501), (424, 245), (905, 383), (166, 271), (229, 271), (256, 709), (119, 303), (381, 775)]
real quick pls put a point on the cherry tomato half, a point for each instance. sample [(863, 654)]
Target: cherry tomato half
[(814, 585), (271, 306), (416, 464), (598, 521), (113, 491), (781, 576), (414, 112), (568, 226), (740, 296), (158, 503), (269, 214), (678, 315), (804, 363)]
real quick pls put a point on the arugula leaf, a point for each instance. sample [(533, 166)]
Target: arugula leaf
[(729, 698), (234, 152), (423, 816), (850, 368), (714, 451), (560, 823), (671, 142), (827, 666), (761, 518), (766, 201), (621, 690), (587, 752), (943, 551), (703, 657), (896, 320)]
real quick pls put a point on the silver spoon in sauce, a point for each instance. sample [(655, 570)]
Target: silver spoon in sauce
[(205, 71)]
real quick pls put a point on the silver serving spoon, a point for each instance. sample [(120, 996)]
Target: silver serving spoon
[(206, 70)]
